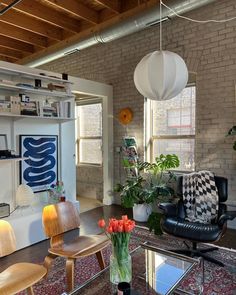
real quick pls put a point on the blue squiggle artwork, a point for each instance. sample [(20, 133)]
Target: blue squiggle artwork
[(39, 171)]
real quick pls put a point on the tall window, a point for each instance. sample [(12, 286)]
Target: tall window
[(89, 133), (171, 128)]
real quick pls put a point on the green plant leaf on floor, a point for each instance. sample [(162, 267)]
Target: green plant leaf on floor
[(154, 223)]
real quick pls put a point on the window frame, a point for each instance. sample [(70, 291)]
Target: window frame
[(83, 102), (149, 138), (177, 126)]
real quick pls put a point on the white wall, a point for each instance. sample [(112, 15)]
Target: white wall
[(27, 222)]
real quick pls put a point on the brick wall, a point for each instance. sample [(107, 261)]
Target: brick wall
[(89, 182), (208, 49)]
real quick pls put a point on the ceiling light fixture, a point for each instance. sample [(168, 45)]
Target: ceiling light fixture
[(161, 75)]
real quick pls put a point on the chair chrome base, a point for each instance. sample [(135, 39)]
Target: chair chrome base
[(193, 251)]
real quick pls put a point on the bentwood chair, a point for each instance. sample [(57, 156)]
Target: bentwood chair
[(60, 218), (174, 223), (19, 276)]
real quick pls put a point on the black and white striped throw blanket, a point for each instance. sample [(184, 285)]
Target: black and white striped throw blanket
[(200, 196)]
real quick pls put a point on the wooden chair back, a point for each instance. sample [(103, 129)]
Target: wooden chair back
[(59, 218), (7, 239)]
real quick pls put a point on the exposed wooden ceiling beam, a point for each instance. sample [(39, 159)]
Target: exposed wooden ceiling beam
[(22, 35), (130, 4), (8, 59), (88, 32), (11, 43), (77, 9), (113, 5), (31, 24), (37, 10), (10, 53)]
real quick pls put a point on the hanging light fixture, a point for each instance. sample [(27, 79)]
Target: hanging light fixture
[(161, 75)]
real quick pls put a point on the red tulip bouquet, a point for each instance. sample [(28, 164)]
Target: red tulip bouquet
[(119, 231)]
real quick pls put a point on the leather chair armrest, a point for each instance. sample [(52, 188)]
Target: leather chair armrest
[(224, 217), (168, 209)]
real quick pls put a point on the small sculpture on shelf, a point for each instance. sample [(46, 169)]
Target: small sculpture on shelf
[(24, 196), (57, 192)]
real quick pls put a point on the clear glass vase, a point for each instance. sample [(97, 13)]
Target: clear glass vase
[(120, 265)]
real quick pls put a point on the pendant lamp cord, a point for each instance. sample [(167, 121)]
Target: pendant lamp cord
[(195, 20), (160, 25)]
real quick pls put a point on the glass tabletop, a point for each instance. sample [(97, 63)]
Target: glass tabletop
[(154, 271), (165, 269)]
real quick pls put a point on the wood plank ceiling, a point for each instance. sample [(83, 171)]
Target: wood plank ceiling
[(35, 28)]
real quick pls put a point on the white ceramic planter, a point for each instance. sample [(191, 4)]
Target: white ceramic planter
[(141, 212)]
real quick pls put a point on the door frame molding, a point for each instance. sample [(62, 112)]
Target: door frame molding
[(105, 93)]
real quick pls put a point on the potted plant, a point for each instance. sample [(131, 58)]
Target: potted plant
[(159, 186), (141, 191), (133, 195)]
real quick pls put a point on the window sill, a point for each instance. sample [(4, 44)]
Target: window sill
[(89, 165)]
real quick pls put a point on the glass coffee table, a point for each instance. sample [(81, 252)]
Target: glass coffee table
[(155, 271)]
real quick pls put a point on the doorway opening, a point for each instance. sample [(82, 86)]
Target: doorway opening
[(89, 151)]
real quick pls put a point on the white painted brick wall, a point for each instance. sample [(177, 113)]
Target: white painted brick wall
[(208, 49)]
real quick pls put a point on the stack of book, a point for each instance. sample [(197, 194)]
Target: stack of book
[(56, 87), (57, 109), (5, 106), (29, 108), (49, 112)]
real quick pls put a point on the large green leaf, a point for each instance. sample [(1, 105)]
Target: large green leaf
[(154, 223), (154, 186), (232, 131)]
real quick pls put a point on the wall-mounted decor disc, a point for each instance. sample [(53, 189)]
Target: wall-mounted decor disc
[(125, 116)]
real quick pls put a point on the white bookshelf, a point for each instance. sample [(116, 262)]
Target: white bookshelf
[(28, 75), (49, 104), (18, 117), (17, 159), (52, 108), (39, 92)]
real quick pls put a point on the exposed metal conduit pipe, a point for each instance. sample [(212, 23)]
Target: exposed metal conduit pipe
[(132, 25), (5, 9)]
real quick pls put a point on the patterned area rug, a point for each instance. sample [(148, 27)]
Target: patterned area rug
[(218, 280)]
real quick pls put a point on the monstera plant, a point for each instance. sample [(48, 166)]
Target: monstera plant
[(141, 191)]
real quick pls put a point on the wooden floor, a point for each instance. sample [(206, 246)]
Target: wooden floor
[(37, 252)]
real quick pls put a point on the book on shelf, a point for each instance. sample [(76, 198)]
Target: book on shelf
[(29, 108), (49, 109), (43, 108), (7, 82), (65, 109), (56, 87), (5, 106)]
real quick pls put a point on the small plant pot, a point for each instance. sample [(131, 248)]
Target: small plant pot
[(141, 212)]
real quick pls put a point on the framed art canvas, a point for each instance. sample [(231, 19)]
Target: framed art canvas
[(40, 169)]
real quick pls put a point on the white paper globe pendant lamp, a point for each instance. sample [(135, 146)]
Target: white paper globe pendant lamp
[(161, 75)]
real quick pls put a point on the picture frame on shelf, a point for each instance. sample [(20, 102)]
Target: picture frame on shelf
[(40, 169)]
